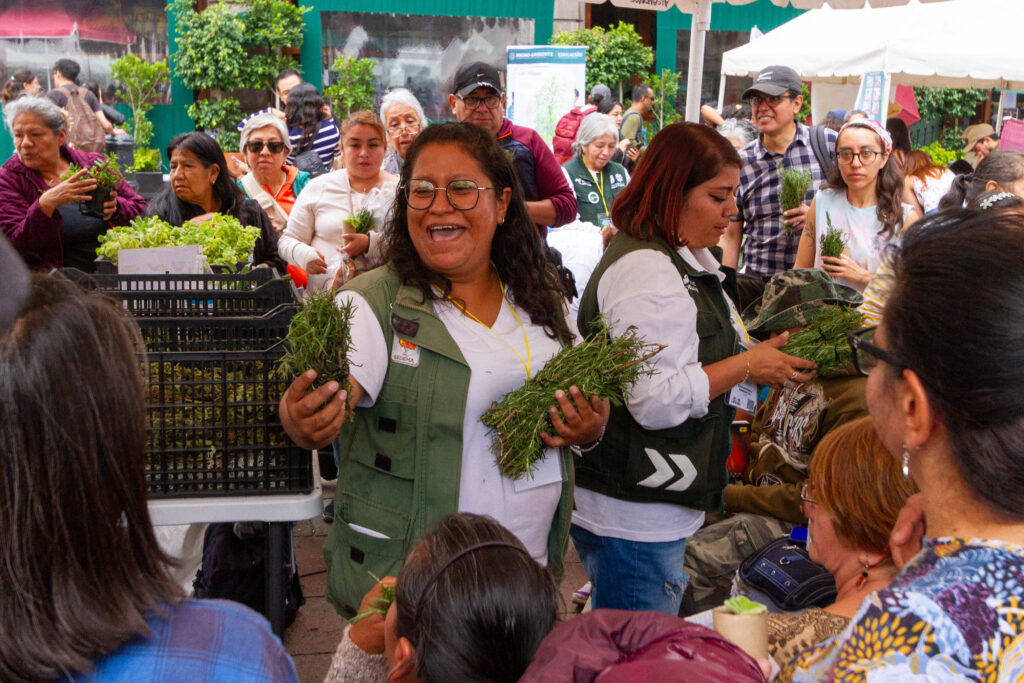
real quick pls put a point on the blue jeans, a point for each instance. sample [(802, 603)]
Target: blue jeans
[(631, 575)]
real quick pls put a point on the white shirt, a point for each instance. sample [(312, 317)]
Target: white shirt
[(495, 370), (317, 220), (859, 225), (643, 288)]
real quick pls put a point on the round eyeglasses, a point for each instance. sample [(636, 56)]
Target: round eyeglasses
[(771, 100), (462, 194), (399, 128), (866, 156)]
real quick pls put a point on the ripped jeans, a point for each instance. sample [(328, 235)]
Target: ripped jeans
[(632, 575)]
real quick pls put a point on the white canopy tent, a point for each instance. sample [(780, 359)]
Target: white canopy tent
[(700, 12), (953, 44)]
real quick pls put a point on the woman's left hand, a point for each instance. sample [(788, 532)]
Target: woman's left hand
[(845, 267), (583, 420), (110, 206), (202, 218)]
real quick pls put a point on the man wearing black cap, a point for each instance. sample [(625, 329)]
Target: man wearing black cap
[(478, 98), (775, 98)]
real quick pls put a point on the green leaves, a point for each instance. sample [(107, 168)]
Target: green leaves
[(362, 221), (795, 185), (824, 340), (665, 86), (614, 55), (319, 337), (138, 83), (353, 90), (225, 241), (833, 241), (106, 173), (741, 604)]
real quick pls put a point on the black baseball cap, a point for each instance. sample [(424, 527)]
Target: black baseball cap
[(775, 80), (474, 75)]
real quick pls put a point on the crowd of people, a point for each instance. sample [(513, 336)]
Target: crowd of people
[(904, 463)]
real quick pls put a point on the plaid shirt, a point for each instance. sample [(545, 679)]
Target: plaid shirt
[(199, 640), (768, 249)]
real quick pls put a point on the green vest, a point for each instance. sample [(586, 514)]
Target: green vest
[(588, 198), (401, 459), (684, 464)]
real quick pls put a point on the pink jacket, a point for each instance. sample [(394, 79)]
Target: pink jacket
[(36, 236)]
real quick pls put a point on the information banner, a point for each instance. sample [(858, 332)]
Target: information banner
[(873, 96), (543, 83), (1012, 135)]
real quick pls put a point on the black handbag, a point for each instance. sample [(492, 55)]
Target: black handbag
[(785, 573)]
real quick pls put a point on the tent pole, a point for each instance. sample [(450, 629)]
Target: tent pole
[(1002, 107), (721, 93), (699, 25)]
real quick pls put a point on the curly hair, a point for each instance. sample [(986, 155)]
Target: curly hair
[(888, 188), (304, 110), (517, 252)]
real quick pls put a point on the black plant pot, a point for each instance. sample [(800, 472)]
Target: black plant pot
[(149, 183), (97, 198)]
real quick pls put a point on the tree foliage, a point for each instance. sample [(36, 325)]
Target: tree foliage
[(952, 105), (353, 90), (138, 83), (614, 55), (663, 109)]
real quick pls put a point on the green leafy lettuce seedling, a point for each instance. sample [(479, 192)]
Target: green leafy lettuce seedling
[(741, 604), (106, 173), (362, 221)]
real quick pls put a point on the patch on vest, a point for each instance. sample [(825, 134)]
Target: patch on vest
[(768, 479), (690, 285), (405, 352), (593, 197), (673, 472)]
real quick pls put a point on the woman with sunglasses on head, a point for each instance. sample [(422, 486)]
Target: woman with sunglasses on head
[(863, 199), (318, 232), (948, 407), (466, 308)]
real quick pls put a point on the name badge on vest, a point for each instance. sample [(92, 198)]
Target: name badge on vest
[(743, 396), (405, 352)]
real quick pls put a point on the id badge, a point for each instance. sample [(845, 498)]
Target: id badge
[(743, 396), (603, 220)]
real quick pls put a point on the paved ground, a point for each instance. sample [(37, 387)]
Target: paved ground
[(311, 640)]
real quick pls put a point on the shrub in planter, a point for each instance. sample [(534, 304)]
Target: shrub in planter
[(139, 83), (107, 175)]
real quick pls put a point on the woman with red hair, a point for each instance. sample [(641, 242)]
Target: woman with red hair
[(644, 489)]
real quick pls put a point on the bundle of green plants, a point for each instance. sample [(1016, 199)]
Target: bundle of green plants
[(824, 340), (600, 365), (106, 173), (319, 337), (741, 604), (795, 185), (378, 606), (833, 241), (362, 221), (225, 241)]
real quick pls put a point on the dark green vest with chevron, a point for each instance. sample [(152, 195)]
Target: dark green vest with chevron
[(684, 464)]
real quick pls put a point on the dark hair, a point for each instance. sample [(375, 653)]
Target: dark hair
[(833, 124), (1004, 167), (996, 199), (888, 188), (517, 251), (82, 568), (740, 110), (305, 110), (972, 363), (485, 615), (168, 207), (680, 157), (285, 73), (93, 87), (961, 166), (897, 128), (15, 85), (640, 90), (68, 68)]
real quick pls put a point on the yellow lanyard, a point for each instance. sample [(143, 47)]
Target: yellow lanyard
[(527, 362), (600, 188)]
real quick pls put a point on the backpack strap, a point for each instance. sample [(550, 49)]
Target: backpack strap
[(819, 145)]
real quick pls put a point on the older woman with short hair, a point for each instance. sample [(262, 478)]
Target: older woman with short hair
[(41, 215), (595, 178), (271, 181), (403, 118)]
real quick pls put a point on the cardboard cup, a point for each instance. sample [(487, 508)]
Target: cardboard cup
[(748, 631)]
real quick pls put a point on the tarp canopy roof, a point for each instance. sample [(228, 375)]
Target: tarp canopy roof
[(54, 22), (954, 44)]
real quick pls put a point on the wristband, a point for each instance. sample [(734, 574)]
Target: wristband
[(593, 444)]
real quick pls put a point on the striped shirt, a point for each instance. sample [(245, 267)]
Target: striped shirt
[(768, 250)]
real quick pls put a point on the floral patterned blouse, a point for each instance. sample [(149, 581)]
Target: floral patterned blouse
[(955, 613)]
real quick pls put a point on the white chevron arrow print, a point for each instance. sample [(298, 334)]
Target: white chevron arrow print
[(664, 472)]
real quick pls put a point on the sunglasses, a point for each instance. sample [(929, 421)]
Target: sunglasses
[(256, 146)]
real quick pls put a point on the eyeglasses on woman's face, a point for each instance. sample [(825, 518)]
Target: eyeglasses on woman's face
[(463, 195), (866, 354), (866, 156), (806, 495), (256, 146), (771, 100), (399, 127)]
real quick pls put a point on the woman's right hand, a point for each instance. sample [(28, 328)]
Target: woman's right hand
[(368, 633), (317, 266), (73, 189), (769, 365), (314, 419)]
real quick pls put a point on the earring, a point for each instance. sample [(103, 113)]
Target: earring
[(906, 462), (863, 576)]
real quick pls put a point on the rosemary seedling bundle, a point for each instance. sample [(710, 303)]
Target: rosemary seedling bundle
[(824, 340), (319, 337), (833, 241), (599, 365), (377, 605), (362, 221), (795, 184)]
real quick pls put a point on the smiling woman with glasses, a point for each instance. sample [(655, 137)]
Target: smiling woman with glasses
[(863, 200)]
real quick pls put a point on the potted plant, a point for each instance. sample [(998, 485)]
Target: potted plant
[(107, 175), (745, 623), (138, 84)]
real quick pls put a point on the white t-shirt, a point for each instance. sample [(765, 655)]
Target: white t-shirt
[(495, 370), (643, 288), (860, 226)]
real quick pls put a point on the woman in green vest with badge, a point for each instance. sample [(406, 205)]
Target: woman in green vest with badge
[(661, 464), (466, 309), (595, 178)]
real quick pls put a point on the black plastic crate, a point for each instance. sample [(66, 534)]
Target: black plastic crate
[(214, 428), (212, 295), (253, 333)]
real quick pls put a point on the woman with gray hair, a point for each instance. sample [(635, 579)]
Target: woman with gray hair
[(41, 214), (739, 132), (403, 118), (595, 178), (270, 181)]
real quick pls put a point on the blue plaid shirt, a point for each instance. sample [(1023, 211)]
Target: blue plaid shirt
[(768, 249), (200, 640)]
